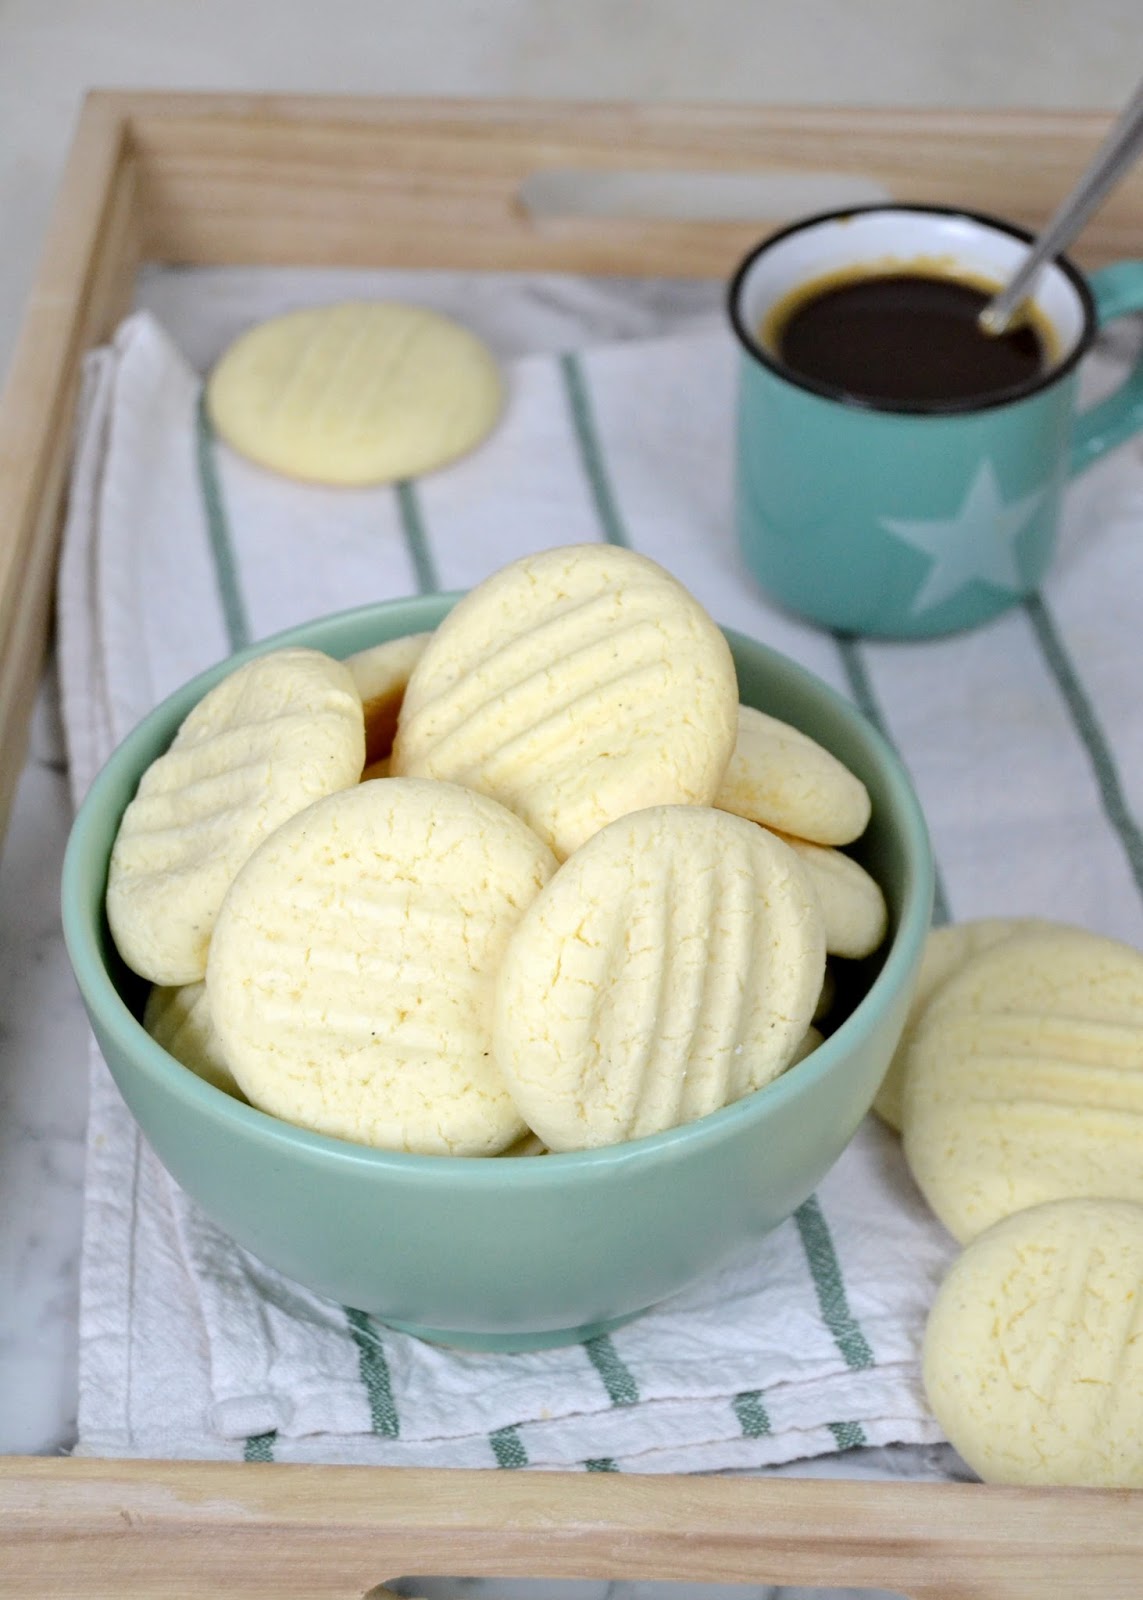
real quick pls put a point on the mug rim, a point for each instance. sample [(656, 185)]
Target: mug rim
[(961, 406)]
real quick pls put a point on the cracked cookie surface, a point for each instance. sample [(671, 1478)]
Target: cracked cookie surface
[(1024, 1079), (354, 394), (1033, 1357), (574, 686), (352, 966), (278, 733), (671, 966)]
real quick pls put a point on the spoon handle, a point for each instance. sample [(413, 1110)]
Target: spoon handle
[(1113, 158)]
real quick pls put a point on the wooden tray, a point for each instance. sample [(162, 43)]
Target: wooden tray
[(218, 179)]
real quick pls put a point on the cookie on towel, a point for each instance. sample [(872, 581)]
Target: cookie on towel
[(1024, 1080), (180, 1020), (1033, 1361), (946, 951), (381, 674), (358, 393), (352, 966), (574, 686), (782, 778), (275, 735), (856, 916), (671, 966)]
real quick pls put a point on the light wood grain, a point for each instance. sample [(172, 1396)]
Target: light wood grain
[(121, 1529), (436, 183)]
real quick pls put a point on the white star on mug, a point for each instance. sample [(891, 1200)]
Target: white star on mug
[(978, 543)]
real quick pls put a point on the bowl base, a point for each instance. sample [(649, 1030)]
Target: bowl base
[(509, 1343)]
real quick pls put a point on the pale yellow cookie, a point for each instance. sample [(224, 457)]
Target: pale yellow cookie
[(352, 966), (179, 1019), (856, 916), (574, 686), (1024, 1080), (947, 949), (382, 676), (359, 393), (1033, 1356), (671, 966), (272, 737), (782, 778)]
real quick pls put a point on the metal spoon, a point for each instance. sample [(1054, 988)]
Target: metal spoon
[(1113, 158)]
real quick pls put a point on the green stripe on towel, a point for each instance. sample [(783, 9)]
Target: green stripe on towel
[(259, 1447), (374, 1374), (590, 452), (621, 1387), (849, 1435), (866, 702), (825, 1269), (417, 539), (1088, 727), (753, 1418), (218, 533), (508, 1448)]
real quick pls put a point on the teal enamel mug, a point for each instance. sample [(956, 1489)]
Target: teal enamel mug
[(904, 519)]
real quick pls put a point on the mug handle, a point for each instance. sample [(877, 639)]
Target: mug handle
[(1117, 290)]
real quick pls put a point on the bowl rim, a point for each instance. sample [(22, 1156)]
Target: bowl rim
[(102, 997)]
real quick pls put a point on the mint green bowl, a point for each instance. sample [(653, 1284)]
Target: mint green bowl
[(509, 1254)]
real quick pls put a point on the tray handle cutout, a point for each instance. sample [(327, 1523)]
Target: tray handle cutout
[(643, 196)]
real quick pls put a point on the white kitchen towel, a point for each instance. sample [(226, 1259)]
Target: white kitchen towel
[(1025, 740)]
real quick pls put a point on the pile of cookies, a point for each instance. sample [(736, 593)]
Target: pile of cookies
[(535, 880), (1018, 1087)]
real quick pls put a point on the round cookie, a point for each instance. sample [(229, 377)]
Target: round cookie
[(1033, 1362), (275, 735), (381, 674), (180, 1020), (671, 966), (574, 686), (946, 951), (785, 780), (352, 966), (856, 916), (353, 394), (1024, 1080)]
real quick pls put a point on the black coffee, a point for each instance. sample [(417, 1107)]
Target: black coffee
[(902, 338)]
